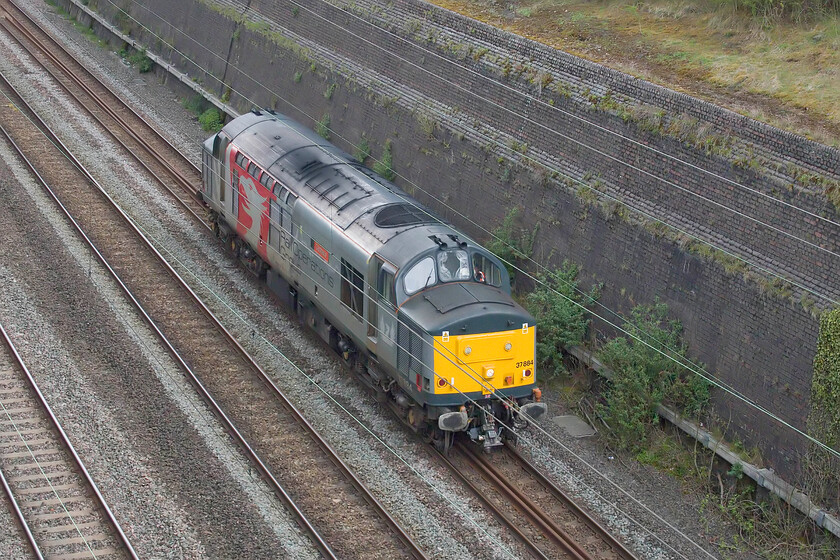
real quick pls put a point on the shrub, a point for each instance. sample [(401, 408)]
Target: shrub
[(643, 378), (211, 120), (558, 307), (141, 60)]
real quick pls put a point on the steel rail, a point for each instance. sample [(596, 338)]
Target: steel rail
[(512, 497), (495, 511), (65, 441), (19, 514), (228, 423), (553, 531), (107, 106), (414, 549), (124, 106), (561, 496)]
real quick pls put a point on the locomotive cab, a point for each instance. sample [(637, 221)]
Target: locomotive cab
[(478, 364)]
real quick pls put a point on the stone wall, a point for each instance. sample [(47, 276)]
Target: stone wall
[(474, 148)]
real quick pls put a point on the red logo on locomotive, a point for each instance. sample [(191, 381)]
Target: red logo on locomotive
[(253, 201)]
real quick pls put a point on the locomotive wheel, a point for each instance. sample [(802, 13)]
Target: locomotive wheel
[(234, 246), (349, 359), (415, 416), (442, 440)]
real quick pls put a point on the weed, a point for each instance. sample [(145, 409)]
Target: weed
[(385, 165), (298, 77), (330, 91), (479, 53), (362, 150), (427, 124), (413, 26), (195, 104), (322, 127)]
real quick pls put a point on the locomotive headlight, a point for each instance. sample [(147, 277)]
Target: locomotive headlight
[(508, 346), (467, 351), (489, 372)]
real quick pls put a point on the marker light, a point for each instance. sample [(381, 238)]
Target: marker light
[(526, 373), (508, 346), (467, 351), (441, 382)]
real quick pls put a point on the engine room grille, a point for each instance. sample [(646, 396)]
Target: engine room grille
[(409, 350)]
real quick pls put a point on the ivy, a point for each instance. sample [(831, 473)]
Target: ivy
[(825, 384), (824, 418)]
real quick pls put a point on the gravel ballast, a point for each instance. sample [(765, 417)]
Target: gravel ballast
[(443, 518)]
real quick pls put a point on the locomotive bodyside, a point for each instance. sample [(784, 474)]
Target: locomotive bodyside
[(422, 313)]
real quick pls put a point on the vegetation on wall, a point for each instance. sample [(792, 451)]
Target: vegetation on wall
[(511, 243), (385, 164), (322, 127), (362, 151), (644, 376), (824, 418), (559, 308)]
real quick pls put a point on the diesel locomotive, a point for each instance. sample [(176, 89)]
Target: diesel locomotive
[(418, 310)]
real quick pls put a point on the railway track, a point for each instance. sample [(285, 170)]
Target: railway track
[(531, 522), (314, 482), (56, 501), (134, 132), (544, 518)]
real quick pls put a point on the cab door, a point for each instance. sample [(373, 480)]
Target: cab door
[(382, 309)]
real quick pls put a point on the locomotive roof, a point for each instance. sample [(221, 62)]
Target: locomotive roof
[(372, 211)]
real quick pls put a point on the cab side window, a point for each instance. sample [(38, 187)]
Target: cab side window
[(486, 271)]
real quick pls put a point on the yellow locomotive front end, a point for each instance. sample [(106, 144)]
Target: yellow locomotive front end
[(492, 375), (488, 363)]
